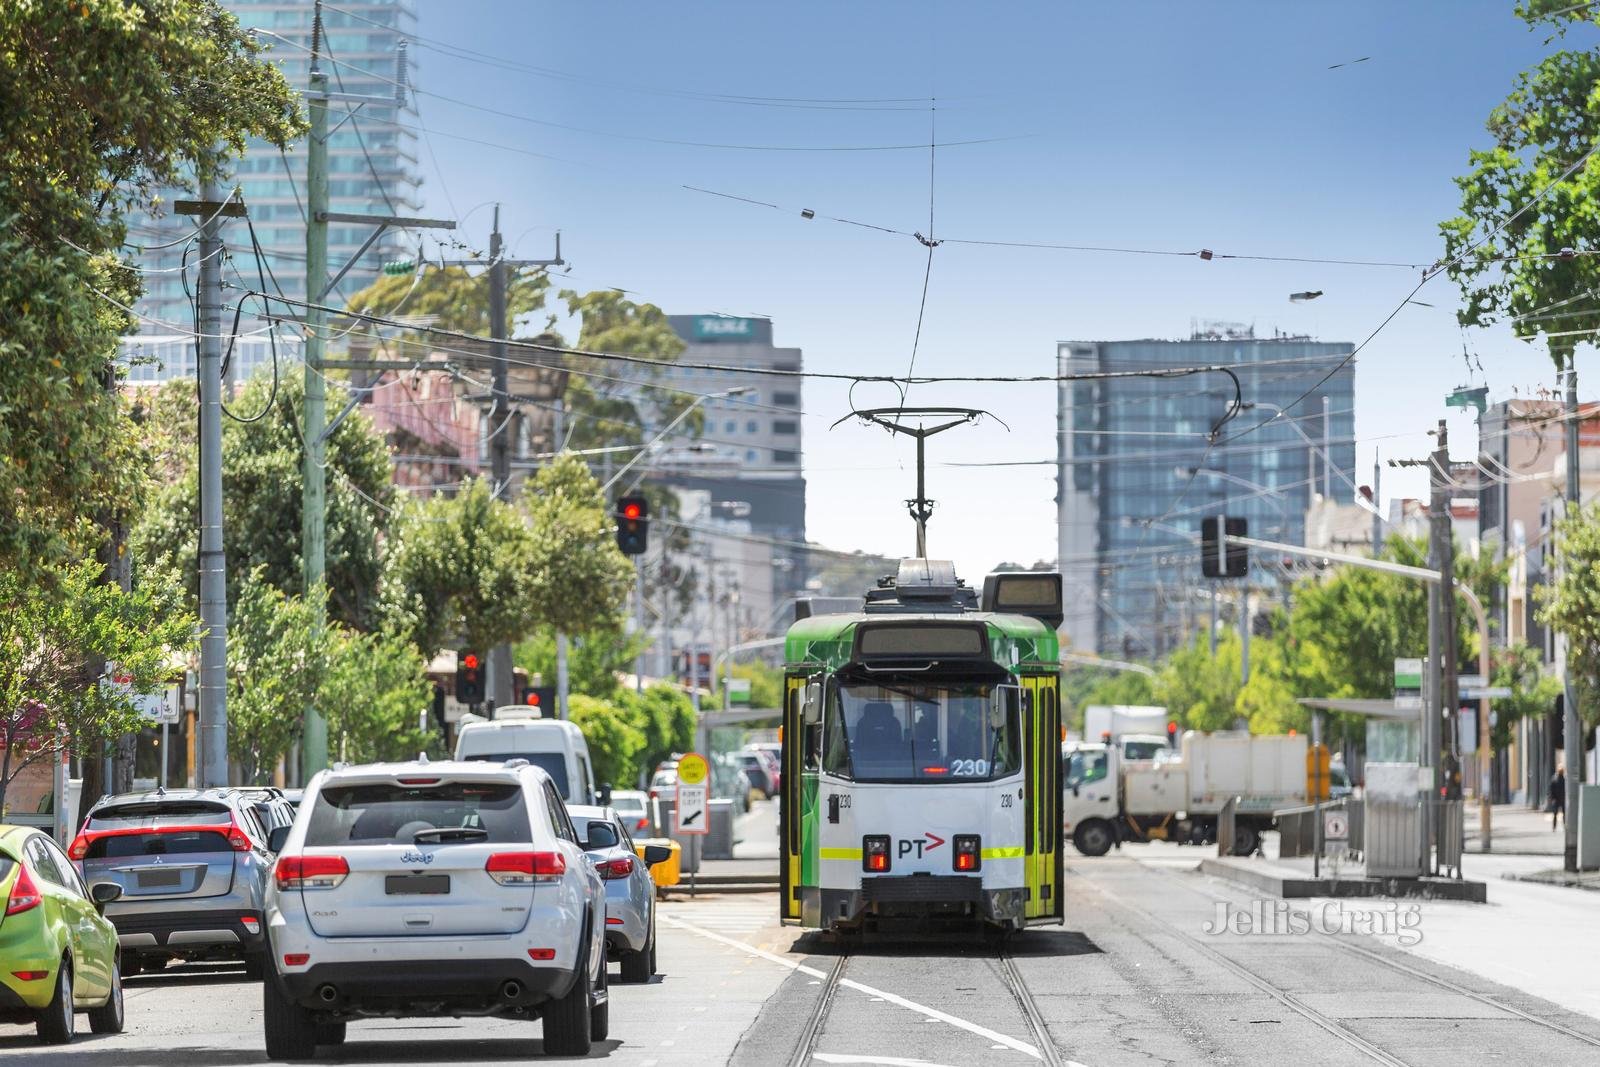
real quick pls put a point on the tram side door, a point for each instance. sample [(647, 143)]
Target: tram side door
[(1042, 718), (789, 812)]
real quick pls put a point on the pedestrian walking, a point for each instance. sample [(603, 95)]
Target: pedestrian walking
[(1558, 798)]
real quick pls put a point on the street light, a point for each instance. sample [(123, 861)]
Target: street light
[(739, 390)]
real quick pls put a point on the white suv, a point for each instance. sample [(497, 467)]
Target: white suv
[(434, 889)]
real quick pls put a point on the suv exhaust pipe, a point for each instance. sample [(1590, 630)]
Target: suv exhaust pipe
[(327, 994), (511, 991)]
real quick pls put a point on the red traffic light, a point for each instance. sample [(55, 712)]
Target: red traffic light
[(470, 661), (534, 699), (631, 510)]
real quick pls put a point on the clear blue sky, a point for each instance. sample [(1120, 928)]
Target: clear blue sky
[(1160, 125)]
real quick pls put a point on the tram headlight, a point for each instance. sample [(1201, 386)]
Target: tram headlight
[(968, 852), (875, 853)]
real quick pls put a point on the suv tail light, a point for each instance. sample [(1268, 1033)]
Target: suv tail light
[(526, 868), (79, 847), (968, 852), (310, 872), (875, 853), (24, 894), (238, 841), (617, 868)]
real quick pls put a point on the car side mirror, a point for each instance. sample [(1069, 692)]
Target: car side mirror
[(103, 893), (811, 709), (278, 837), (654, 854), (605, 794)]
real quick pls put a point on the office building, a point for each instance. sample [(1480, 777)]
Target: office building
[(372, 170), (1138, 470)]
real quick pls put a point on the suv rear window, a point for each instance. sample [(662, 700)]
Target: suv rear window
[(157, 843), (191, 812), (386, 813)]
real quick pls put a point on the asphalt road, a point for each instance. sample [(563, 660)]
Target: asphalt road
[(1133, 979)]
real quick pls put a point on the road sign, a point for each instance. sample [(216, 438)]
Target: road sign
[(1408, 674), (1470, 681), (1335, 826), (694, 794), (1493, 692), (151, 706)]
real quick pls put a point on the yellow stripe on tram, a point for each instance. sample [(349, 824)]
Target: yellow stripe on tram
[(839, 853), (1009, 852)]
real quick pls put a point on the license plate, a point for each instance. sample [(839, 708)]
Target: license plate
[(416, 884), (158, 879)]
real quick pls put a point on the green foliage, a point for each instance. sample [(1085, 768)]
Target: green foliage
[(104, 101), (1533, 691), (1497, 249), (614, 741), (277, 659), (263, 485), (457, 300), (1082, 686), (59, 625), (1198, 689), (594, 660), (664, 716), (581, 579), (766, 683), (1571, 605), (373, 695)]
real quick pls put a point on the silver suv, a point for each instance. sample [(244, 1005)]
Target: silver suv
[(434, 889), (193, 866)]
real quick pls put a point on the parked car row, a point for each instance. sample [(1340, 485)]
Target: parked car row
[(465, 887)]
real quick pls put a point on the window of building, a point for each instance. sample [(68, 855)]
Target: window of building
[(786, 400), (783, 456), (785, 426), (750, 455), (752, 426), (730, 427)]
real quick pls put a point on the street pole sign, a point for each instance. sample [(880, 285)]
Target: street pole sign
[(693, 794)]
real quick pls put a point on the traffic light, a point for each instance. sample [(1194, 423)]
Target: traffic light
[(542, 697), (469, 677), (633, 525), (1172, 735), (1223, 561)]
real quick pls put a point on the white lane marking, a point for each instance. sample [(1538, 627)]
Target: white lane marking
[(898, 1001)]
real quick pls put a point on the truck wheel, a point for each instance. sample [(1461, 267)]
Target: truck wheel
[(1093, 838), (1245, 840)]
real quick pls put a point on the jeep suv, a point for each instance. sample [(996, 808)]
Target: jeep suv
[(434, 889), (193, 866)]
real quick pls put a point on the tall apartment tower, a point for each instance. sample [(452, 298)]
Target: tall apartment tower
[(372, 167), (1137, 472)]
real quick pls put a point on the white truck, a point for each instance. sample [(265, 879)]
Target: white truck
[(1110, 798), (1140, 731)]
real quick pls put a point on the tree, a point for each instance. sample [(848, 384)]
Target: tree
[(665, 717), (51, 631), (453, 298), (105, 101), (262, 486), (277, 659), (595, 660), (1571, 605), (1533, 691), (374, 694), (1533, 197), (1199, 690), (581, 579), (614, 741)]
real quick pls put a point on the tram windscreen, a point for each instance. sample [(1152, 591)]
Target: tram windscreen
[(879, 732)]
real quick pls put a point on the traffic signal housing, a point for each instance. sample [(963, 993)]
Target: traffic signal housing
[(469, 677), (1219, 560), (633, 525), (542, 697)]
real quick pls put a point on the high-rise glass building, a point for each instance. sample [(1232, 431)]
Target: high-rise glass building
[(372, 169), (1139, 470)]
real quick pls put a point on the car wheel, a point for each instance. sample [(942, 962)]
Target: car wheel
[(600, 1013), (291, 1032), (640, 966), (567, 1021), (1093, 838), (330, 1033), (56, 1022), (107, 1019), (652, 948)]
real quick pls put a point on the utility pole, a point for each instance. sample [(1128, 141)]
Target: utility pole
[(500, 666), (213, 576), (1377, 519), (1449, 670), (313, 519), (1244, 631), (1572, 727)]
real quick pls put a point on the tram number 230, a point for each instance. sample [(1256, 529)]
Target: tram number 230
[(969, 768)]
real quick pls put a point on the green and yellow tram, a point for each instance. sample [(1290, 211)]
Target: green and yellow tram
[(921, 768)]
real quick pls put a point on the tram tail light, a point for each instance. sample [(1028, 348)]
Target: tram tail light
[(968, 852), (875, 853)]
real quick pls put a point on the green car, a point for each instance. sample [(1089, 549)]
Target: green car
[(58, 953)]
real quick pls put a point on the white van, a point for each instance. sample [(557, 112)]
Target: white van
[(554, 745)]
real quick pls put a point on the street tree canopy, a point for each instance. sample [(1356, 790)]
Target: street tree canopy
[(1571, 604), (1533, 194), (104, 102)]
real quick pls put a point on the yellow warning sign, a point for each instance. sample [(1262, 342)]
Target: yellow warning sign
[(692, 768)]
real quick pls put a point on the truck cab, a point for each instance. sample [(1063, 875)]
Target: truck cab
[(1089, 806)]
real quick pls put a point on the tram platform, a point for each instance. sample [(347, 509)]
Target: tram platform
[(1294, 878)]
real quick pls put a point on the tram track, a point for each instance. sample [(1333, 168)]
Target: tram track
[(1012, 977), (806, 1048)]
